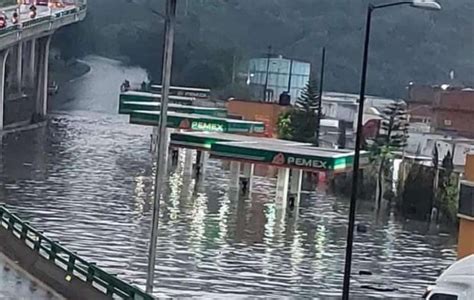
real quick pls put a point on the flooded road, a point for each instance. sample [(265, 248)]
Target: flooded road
[(86, 180), (15, 285)]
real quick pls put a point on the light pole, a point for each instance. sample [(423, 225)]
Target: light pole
[(265, 87), (170, 23), (422, 4), (320, 98)]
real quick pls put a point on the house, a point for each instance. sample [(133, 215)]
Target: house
[(447, 109)]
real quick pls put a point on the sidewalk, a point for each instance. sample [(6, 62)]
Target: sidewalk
[(15, 285)]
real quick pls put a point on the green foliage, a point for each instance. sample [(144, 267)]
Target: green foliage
[(308, 100), (417, 192), (392, 137), (419, 197), (448, 190), (299, 123), (393, 130), (448, 198), (408, 45), (304, 125), (284, 126)]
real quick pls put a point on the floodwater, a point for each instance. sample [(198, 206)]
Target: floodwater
[(86, 180)]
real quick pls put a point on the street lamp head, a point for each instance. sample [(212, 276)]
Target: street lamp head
[(426, 4)]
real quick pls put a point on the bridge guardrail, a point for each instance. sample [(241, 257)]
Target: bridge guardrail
[(64, 13), (68, 261), (9, 29), (37, 20), (34, 21)]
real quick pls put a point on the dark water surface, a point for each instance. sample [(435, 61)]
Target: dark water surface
[(86, 180)]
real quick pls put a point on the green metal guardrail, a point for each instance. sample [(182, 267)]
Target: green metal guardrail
[(68, 261)]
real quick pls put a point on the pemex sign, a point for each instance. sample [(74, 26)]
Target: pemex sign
[(202, 125), (281, 159), (262, 153)]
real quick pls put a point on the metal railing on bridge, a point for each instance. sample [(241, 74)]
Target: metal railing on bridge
[(43, 18), (68, 261)]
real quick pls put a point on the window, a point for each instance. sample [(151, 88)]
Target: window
[(438, 296), (448, 122)]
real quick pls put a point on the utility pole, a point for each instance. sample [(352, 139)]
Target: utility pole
[(265, 88), (289, 77), (162, 137), (320, 98), (234, 65)]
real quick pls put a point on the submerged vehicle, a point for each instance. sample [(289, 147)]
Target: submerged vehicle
[(456, 283)]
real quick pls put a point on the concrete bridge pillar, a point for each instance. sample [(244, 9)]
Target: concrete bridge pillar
[(15, 68), (3, 63), (41, 106), (29, 51), (19, 67)]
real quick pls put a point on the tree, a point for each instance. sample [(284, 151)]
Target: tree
[(435, 162), (448, 191), (308, 101), (285, 129), (392, 137), (305, 115), (299, 123), (206, 27)]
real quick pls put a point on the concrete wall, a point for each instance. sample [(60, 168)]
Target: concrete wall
[(450, 109), (458, 122), (424, 143), (420, 112), (258, 111)]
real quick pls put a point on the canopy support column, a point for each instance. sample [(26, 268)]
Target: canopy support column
[(234, 175)]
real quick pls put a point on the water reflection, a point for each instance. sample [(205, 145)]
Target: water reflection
[(86, 180)]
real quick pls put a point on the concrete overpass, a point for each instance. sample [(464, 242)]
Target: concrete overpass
[(24, 57)]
